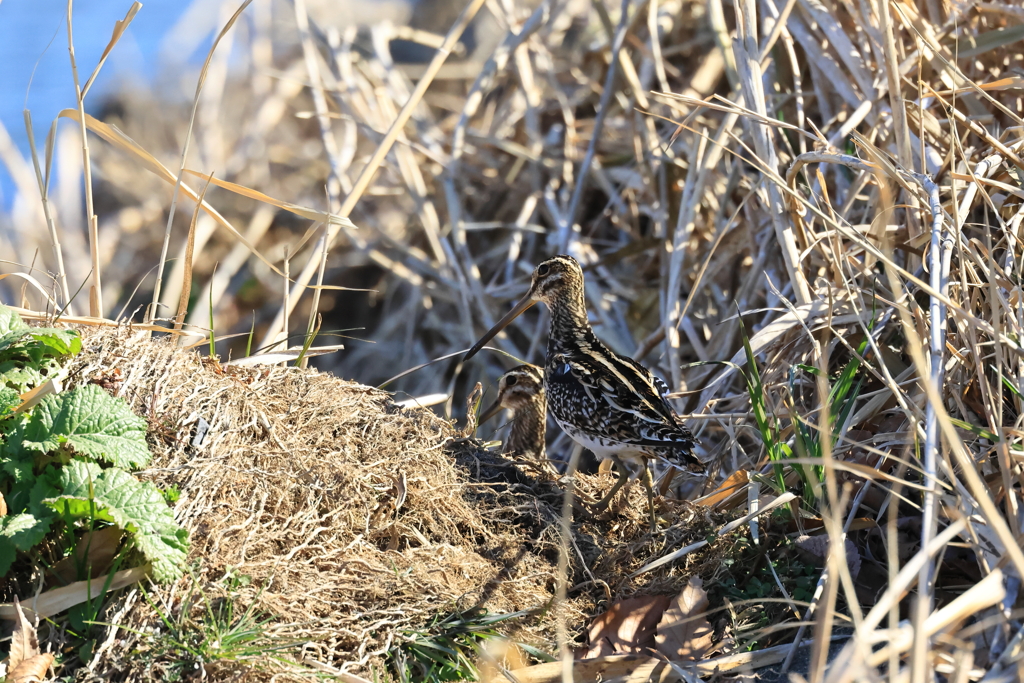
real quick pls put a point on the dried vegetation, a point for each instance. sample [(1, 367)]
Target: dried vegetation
[(354, 517), (843, 177)]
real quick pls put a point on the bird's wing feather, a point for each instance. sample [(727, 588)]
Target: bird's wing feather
[(659, 383), (623, 383), (635, 395)]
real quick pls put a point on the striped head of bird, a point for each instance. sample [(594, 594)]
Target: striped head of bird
[(557, 282), (521, 388)]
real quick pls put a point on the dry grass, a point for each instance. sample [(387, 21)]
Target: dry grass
[(849, 176), (355, 518)]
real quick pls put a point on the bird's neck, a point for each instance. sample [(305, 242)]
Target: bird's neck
[(570, 327), (528, 429)]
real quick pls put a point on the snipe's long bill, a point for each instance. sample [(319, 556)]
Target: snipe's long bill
[(491, 411), (525, 303)]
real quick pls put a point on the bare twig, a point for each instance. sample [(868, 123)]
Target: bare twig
[(937, 342), (51, 224)]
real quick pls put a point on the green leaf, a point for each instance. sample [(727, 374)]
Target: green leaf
[(58, 342), (23, 530), (46, 485), (10, 321), (755, 389), (979, 44), (19, 532), (977, 431), (17, 470), (19, 376), (137, 507), (91, 422), (1016, 175), (11, 338), (536, 653), (1009, 385), (9, 400)]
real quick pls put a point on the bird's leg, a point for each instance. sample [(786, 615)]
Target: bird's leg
[(623, 478), (646, 479)]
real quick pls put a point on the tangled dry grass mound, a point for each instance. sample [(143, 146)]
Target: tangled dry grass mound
[(357, 519)]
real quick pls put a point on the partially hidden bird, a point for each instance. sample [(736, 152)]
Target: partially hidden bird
[(608, 403), (521, 390)]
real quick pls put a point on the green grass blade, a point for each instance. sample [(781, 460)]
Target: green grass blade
[(755, 389), (309, 341), (252, 331), (977, 431)]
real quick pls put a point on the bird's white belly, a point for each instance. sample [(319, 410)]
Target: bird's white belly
[(603, 448)]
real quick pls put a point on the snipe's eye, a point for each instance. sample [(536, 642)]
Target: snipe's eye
[(543, 269), (510, 380)]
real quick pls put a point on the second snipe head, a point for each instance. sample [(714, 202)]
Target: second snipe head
[(521, 390)]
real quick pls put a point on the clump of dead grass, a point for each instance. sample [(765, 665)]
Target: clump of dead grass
[(354, 517)]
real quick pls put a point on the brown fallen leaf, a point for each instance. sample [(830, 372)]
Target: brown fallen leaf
[(497, 656), (32, 670), (95, 550), (684, 632), (731, 492), (627, 627), (57, 600), (3, 506), (24, 642)]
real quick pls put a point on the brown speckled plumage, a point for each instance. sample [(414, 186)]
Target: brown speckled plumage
[(521, 390), (608, 403)]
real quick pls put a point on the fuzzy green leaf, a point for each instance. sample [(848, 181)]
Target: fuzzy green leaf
[(19, 376), (11, 338), (23, 530), (58, 342), (91, 422), (10, 321), (18, 470), (19, 532), (9, 400), (31, 496), (115, 496)]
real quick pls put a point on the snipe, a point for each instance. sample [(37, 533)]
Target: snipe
[(521, 390), (608, 403)]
